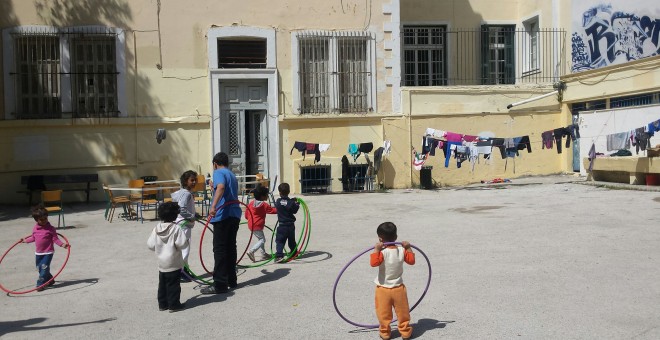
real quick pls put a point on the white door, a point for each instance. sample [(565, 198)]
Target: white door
[(243, 108)]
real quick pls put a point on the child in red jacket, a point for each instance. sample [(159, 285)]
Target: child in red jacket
[(256, 216), (43, 235)]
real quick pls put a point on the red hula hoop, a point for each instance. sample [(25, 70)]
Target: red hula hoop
[(201, 238), (68, 253)]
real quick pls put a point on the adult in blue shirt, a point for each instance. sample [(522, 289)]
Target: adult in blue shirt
[(225, 220)]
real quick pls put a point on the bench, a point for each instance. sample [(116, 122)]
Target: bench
[(37, 183), (624, 169)]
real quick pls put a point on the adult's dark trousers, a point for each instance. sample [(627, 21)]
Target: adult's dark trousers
[(225, 253), (286, 233), (169, 289)]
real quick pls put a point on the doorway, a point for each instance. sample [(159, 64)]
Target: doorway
[(244, 126)]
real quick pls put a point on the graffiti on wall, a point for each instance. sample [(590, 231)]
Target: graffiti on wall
[(607, 36)]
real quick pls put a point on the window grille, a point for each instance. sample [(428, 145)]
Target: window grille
[(424, 56), (359, 178), (257, 133), (94, 74), (315, 179), (335, 72), (635, 100), (41, 72), (234, 148), (37, 76), (498, 59)]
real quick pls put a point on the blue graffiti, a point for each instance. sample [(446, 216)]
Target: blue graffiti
[(613, 37)]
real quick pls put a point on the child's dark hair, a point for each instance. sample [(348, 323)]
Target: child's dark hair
[(260, 193), (187, 175), (221, 158), (168, 211), (387, 231), (39, 211), (283, 188)]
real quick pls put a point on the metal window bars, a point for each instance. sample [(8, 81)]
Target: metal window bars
[(490, 55), (315, 179), (335, 71), (39, 72)]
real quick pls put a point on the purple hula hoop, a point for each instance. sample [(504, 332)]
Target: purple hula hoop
[(334, 289)]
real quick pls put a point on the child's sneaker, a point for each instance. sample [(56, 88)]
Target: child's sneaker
[(280, 260), (251, 256)]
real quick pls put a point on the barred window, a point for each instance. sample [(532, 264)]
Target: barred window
[(424, 56), (62, 72), (37, 76), (335, 72), (497, 54), (94, 76)]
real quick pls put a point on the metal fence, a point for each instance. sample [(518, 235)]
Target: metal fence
[(490, 55), (359, 179)]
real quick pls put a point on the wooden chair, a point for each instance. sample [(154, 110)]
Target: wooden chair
[(113, 201), (52, 201), (201, 194), (143, 198)]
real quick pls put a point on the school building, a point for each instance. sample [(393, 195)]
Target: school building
[(296, 89)]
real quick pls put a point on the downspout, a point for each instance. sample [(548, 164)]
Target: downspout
[(135, 102)]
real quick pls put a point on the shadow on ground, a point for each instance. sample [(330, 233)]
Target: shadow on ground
[(7, 327)]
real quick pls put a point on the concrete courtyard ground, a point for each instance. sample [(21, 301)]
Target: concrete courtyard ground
[(539, 258)]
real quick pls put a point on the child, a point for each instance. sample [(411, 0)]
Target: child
[(286, 229), (167, 239), (186, 218), (256, 216), (43, 235), (390, 290)]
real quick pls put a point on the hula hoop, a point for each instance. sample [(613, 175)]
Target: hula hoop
[(307, 225), (263, 262), (201, 259), (195, 277), (334, 289), (8, 291)]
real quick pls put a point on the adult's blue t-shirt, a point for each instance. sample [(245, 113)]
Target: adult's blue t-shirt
[(226, 177)]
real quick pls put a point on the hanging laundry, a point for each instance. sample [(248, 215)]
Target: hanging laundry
[(418, 160), (324, 147), (312, 148), (387, 147), (378, 156), (484, 147), (653, 127), (470, 138), (366, 147), (345, 173), (435, 133), (573, 131), (618, 141), (354, 151), (300, 146), (641, 140), (547, 140), (453, 137), (592, 156), (461, 153), (559, 134), (429, 145), (448, 151), (499, 143), (522, 143)]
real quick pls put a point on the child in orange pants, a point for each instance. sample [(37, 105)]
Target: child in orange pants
[(390, 290)]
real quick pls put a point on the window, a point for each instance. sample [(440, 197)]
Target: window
[(635, 100), (94, 76), (531, 47), (37, 76), (424, 56), (335, 72), (497, 54), (242, 53), (57, 73)]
